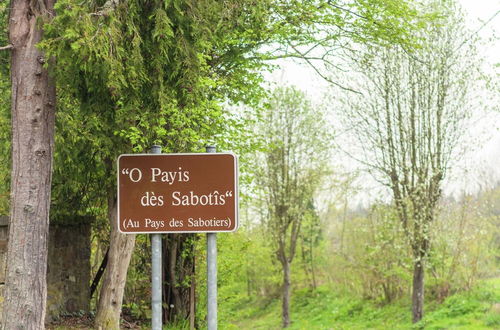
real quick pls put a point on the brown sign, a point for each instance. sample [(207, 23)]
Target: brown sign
[(171, 193)]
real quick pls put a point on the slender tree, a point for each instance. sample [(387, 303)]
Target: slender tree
[(291, 169), (409, 118)]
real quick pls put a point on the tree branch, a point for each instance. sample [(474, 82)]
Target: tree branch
[(107, 8), (308, 61), (7, 47)]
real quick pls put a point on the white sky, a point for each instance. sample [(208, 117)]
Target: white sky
[(482, 166)]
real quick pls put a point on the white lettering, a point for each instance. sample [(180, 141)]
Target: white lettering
[(155, 172), (209, 222), (169, 177), (139, 175), (149, 199), (175, 195), (155, 224), (175, 223), (213, 198)]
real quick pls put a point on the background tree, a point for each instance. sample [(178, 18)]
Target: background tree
[(463, 250), (290, 173), (409, 119), (310, 238)]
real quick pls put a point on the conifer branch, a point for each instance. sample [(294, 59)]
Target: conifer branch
[(109, 6)]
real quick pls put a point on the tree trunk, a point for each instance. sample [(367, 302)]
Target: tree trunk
[(178, 270), (111, 297), (192, 301), (33, 110), (304, 256), (175, 306), (286, 294), (311, 257), (418, 291)]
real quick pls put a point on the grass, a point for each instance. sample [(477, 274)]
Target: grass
[(477, 309), (326, 309)]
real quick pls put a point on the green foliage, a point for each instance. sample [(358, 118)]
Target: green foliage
[(177, 325), (380, 268), (464, 249), (310, 243), (292, 165), (5, 131), (463, 252), (139, 73), (245, 271), (407, 139), (466, 310), (80, 164), (158, 71), (137, 300)]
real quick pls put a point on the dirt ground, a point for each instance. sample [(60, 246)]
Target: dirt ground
[(87, 322)]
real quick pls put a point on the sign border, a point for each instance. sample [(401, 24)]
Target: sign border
[(236, 190)]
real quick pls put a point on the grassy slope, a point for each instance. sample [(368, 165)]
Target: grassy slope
[(324, 309)]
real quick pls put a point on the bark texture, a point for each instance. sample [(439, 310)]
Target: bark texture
[(418, 292), (286, 294), (111, 296), (285, 256), (33, 113)]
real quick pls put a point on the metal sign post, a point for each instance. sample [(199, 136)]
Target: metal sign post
[(156, 297), (211, 273)]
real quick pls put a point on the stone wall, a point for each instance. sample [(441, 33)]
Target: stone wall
[(68, 270)]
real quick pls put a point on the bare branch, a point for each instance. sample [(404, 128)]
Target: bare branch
[(309, 62), (7, 47), (478, 30), (349, 11)]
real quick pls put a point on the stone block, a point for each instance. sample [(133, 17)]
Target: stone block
[(68, 269)]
